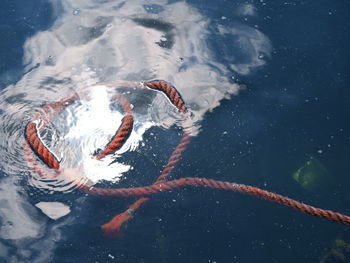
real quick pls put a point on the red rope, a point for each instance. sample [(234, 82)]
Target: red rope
[(113, 227), (50, 110), (32, 134), (123, 131), (37, 145), (119, 138), (229, 186), (35, 165), (117, 141), (170, 91), (161, 185)]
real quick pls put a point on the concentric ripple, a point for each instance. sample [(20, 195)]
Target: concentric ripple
[(77, 131)]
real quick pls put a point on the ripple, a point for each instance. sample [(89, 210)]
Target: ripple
[(168, 41), (74, 130)]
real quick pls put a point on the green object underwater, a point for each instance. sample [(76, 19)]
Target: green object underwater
[(313, 175)]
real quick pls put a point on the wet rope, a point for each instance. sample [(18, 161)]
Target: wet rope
[(166, 186), (36, 166), (42, 151), (119, 138), (37, 145), (113, 227), (32, 136), (123, 131), (170, 91)]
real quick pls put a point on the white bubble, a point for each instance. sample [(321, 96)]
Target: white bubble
[(76, 11)]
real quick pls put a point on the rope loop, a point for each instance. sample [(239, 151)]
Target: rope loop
[(162, 184)]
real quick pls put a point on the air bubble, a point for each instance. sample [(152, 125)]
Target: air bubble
[(76, 11)]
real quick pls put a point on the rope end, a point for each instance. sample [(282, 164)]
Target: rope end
[(113, 227)]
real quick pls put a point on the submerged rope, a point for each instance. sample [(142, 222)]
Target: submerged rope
[(229, 186), (113, 227)]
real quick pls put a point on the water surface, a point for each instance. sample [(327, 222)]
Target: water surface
[(266, 88)]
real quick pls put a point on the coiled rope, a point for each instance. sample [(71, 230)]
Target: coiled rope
[(113, 228)]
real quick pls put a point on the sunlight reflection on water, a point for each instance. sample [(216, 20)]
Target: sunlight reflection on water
[(107, 41)]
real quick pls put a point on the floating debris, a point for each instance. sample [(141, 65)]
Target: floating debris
[(54, 210), (312, 175), (339, 252)]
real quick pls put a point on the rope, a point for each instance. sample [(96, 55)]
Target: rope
[(113, 227), (117, 141), (37, 145), (172, 94), (36, 166), (119, 138), (32, 134), (214, 184)]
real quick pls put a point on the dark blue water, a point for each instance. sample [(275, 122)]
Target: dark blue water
[(294, 107)]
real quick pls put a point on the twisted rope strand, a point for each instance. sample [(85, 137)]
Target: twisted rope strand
[(117, 141), (214, 184), (119, 138), (113, 227), (35, 143), (172, 94), (35, 166), (50, 110)]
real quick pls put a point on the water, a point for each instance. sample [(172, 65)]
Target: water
[(286, 62)]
